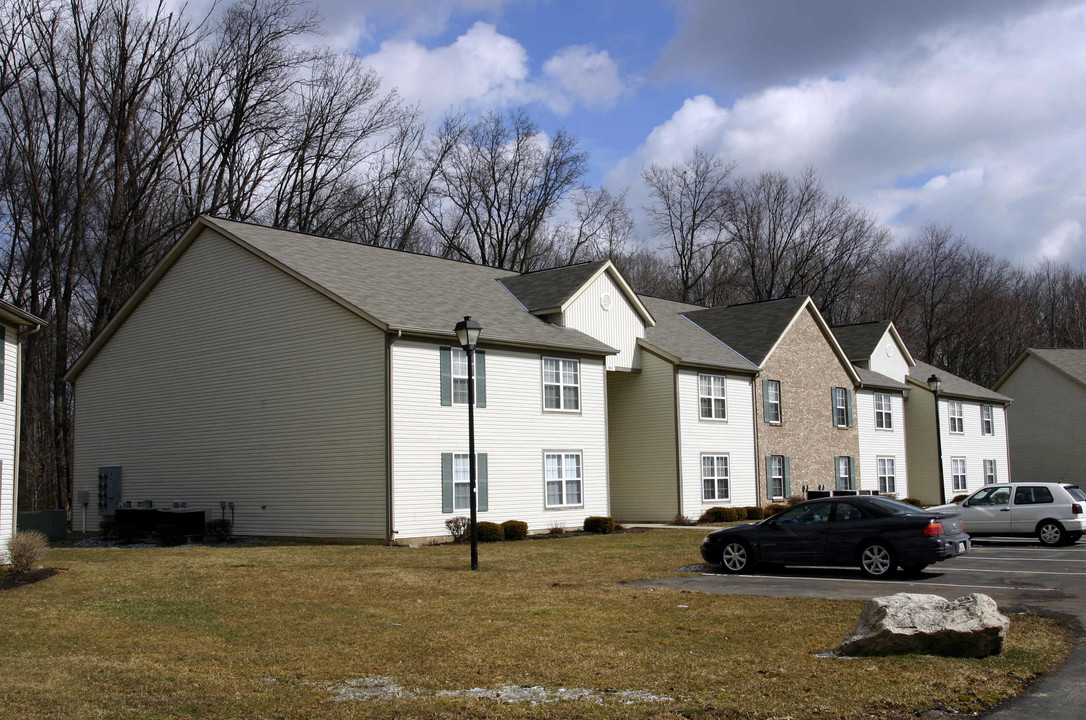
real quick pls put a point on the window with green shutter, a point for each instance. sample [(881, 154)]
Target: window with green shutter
[(454, 377), (456, 482)]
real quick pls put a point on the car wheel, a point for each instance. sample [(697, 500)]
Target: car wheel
[(877, 560), (1051, 533), (914, 568), (735, 557)]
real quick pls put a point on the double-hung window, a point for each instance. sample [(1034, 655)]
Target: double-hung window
[(459, 376), (775, 464), (844, 473), (461, 482), (771, 390), (714, 477), (840, 407), (884, 419), (990, 472), (713, 397), (563, 479), (561, 384), (887, 480), (987, 427), (957, 421), (957, 473)]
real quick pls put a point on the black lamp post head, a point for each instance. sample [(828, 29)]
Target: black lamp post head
[(934, 383), (467, 332)]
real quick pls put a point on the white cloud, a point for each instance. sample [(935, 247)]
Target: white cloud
[(579, 73), (993, 120)]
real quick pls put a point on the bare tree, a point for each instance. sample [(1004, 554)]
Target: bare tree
[(601, 227)]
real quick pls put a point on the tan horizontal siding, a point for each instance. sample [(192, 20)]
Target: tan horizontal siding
[(232, 381), (1048, 424)]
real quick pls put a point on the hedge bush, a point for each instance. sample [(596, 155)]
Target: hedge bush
[(27, 548), (458, 527), (773, 509), (913, 501), (755, 513), (599, 524), (712, 515), (489, 532), (740, 513), (219, 529), (515, 529)]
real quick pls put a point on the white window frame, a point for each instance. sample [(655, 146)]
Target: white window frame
[(464, 480), (884, 416), (775, 384), (457, 356), (955, 464), (840, 405), (842, 469), (886, 469), (562, 385), (991, 476), (987, 420), (563, 479), (712, 396), (776, 475), (719, 479), (955, 414)]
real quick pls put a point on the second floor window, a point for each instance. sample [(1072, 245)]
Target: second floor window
[(957, 421), (561, 384), (987, 427), (459, 377), (712, 397), (771, 391), (840, 407), (884, 419)]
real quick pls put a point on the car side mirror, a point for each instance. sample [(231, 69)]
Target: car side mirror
[(965, 503)]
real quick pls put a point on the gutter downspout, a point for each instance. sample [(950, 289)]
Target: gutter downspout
[(20, 335), (390, 532)]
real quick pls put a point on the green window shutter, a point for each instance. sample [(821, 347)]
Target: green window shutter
[(765, 405), (787, 477), (833, 409), (768, 476), (852, 473), (446, 379), (446, 483), (480, 379), (837, 473), (848, 407), (3, 369), (480, 481)]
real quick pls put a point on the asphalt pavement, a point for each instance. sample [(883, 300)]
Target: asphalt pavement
[(1017, 574)]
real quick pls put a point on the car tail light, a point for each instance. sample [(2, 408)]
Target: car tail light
[(933, 528), (1076, 509)]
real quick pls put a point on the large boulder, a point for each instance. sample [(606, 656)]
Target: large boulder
[(970, 626)]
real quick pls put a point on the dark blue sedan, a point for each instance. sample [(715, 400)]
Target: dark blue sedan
[(875, 533)]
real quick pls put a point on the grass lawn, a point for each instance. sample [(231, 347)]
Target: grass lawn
[(280, 630)]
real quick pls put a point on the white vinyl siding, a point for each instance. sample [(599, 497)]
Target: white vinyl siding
[(887, 476), (713, 397), (974, 447), (876, 442), (514, 432), (734, 438), (8, 511), (232, 381), (619, 327), (561, 385), (714, 477)]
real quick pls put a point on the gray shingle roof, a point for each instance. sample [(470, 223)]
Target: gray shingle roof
[(751, 329), (870, 378), (679, 337), (861, 340), (409, 292), (954, 385), (1070, 360), (550, 288)]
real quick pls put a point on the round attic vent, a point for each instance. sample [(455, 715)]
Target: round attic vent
[(605, 301), (889, 350)]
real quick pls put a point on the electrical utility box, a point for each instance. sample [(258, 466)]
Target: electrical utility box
[(109, 490)]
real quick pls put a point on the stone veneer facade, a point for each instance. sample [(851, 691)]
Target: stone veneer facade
[(807, 367)]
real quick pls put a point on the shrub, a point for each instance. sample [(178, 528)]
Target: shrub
[(773, 509), (913, 501), (27, 548), (515, 529), (681, 519), (740, 513), (619, 527), (755, 513), (219, 529), (794, 500), (959, 498), (599, 524), (557, 528), (490, 532), (458, 527)]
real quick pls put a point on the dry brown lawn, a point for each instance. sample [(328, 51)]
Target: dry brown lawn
[(276, 630)]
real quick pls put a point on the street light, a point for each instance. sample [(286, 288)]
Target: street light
[(467, 332), (935, 385)]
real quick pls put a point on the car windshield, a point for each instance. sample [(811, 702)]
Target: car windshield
[(892, 507), (1075, 492)]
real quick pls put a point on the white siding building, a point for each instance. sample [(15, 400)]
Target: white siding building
[(14, 325)]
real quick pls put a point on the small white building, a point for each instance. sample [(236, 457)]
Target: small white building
[(14, 326)]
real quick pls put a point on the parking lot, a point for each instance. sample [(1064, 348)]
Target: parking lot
[(1017, 574)]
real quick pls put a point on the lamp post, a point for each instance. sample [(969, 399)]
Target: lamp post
[(467, 332), (935, 384)]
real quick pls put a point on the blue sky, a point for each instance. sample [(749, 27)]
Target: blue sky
[(970, 113)]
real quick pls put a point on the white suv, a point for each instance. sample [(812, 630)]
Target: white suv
[(1053, 512)]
